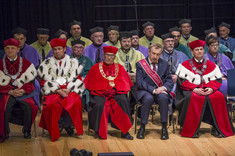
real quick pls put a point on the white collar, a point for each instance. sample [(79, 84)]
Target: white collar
[(198, 61), (150, 62), (12, 59)]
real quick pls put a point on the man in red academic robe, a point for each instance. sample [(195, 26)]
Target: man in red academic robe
[(108, 83), (198, 97), (62, 87), (17, 77)]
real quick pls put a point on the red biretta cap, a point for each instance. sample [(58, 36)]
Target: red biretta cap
[(58, 42), (196, 43), (11, 42), (110, 49)]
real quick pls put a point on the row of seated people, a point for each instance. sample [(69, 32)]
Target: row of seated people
[(182, 34), (131, 68)]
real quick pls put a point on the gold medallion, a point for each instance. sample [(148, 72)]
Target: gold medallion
[(112, 84)]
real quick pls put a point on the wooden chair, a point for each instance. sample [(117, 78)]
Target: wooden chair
[(154, 109)]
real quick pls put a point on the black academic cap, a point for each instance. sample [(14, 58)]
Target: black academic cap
[(223, 24), (77, 42), (19, 30), (134, 32), (43, 31), (74, 22), (125, 34), (184, 21), (148, 24), (211, 30), (96, 29), (174, 29), (167, 35), (113, 27)]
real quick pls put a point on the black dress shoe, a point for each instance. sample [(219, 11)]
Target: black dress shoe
[(164, 135), (140, 134), (127, 136), (196, 135), (27, 135), (69, 131), (6, 136), (215, 133)]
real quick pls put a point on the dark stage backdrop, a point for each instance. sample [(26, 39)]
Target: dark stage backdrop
[(128, 14)]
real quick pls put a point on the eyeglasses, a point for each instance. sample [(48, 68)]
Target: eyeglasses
[(109, 55), (214, 45)]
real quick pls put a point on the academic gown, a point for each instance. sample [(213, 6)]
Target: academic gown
[(190, 39), (91, 51), (39, 47), (31, 54), (230, 43), (146, 43), (184, 49), (117, 44), (224, 64), (51, 71), (143, 50), (174, 59), (193, 108), (84, 39), (25, 80), (105, 100), (87, 64)]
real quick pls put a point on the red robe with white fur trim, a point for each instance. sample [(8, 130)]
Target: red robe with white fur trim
[(192, 106), (24, 81), (51, 71)]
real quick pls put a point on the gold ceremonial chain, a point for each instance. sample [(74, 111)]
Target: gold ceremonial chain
[(109, 78)]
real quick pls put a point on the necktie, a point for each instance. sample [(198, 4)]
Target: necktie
[(154, 67), (97, 59), (226, 44), (43, 54), (127, 64)]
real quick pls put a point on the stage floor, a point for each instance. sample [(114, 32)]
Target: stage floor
[(16, 145)]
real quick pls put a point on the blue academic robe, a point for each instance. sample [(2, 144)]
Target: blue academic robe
[(30, 54), (143, 50), (230, 43), (91, 51), (224, 63)]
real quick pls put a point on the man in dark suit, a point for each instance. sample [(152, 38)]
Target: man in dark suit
[(154, 84)]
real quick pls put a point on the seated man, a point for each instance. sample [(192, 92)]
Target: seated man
[(42, 45), (78, 47), (108, 83), (17, 77), (221, 60), (62, 88), (198, 98), (154, 84)]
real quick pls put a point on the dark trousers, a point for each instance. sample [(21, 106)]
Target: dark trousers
[(18, 112), (133, 98), (65, 119), (148, 100)]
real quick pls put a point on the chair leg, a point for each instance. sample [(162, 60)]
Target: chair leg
[(173, 123), (136, 112), (43, 132), (35, 130)]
